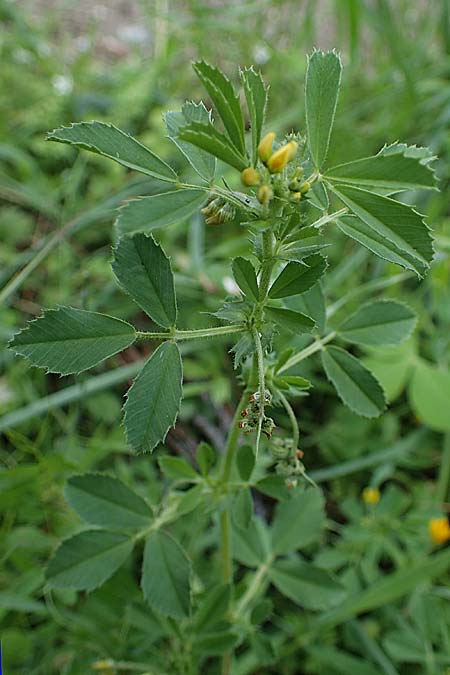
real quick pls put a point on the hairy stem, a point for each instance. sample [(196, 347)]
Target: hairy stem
[(191, 334), (292, 418), (314, 347), (261, 385)]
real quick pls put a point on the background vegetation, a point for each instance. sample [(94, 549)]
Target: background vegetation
[(127, 63)]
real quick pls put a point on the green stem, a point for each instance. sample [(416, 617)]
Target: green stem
[(261, 385), (254, 587), (233, 437), (225, 546), (292, 418), (316, 346), (191, 334)]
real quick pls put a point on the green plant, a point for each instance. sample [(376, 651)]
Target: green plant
[(204, 611)]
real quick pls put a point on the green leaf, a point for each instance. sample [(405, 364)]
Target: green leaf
[(392, 366), (291, 381), (202, 162), (303, 243), (88, 559), (245, 461), (107, 502), (107, 140), (377, 243), (311, 303), (297, 278), (214, 644), (342, 663), (214, 607), (396, 167), (226, 101), (208, 138), (387, 589), (143, 271), (251, 546), (356, 385), (245, 276), (323, 77), (396, 222), (256, 97), (298, 521), (306, 585), (153, 401), (168, 208), (166, 574), (242, 508), (68, 340), (429, 395), (383, 322), (296, 322), (205, 457), (177, 468)]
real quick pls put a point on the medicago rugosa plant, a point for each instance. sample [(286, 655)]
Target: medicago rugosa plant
[(289, 201)]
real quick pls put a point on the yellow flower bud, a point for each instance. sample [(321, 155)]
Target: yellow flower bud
[(371, 496), (265, 194), (296, 196), (265, 146), (293, 146), (304, 187), (250, 177), (279, 159), (439, 530)]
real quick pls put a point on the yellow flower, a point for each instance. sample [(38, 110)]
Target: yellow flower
[(250, 176), (439, 530), (265, 194), (281, 157), (265, 146), (371, 496), (293, 146)]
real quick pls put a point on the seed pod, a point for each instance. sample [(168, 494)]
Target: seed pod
[(265, 146), (250, 177)]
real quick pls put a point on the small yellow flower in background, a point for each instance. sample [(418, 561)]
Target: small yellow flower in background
[(439, 530), (265, 146), (280, 158), (371, 495), (250, 177), (265, 194)]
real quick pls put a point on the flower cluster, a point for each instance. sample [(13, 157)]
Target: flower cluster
[(252, 413), (273, 176)]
